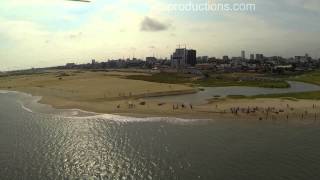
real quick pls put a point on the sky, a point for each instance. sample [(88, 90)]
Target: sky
[(42, 33)]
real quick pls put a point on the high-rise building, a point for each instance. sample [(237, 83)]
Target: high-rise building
[(259, 57), (151, 59), (251, 56), (178, 58), (308, 58), (183, 57), (243, 55), (191, 57)]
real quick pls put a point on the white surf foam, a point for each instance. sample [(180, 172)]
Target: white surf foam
[(81, 114), (126, 119), (4, 92), (25, 108)]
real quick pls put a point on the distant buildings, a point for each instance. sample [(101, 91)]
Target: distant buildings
[(251, 56), (204, 58), (191, 57), (185, 60), (178, 58), (151, 59), (225, 58), (305, 58), (70, 65), (259, 57), (183, 57), (151, 62), (243, 55)]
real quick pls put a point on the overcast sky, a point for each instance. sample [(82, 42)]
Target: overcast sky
[(38, 33)]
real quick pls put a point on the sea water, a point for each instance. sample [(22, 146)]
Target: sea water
[(39, 142)]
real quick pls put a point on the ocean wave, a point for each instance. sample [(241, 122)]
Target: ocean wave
[(126, 119), (82, 114), (4, 92), (25, 108)]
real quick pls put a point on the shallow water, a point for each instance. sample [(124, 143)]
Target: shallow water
[(210, 92), (58, 145)]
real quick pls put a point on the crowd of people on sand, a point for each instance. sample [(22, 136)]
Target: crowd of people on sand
[(183, 106), (272, 112), (174, 106), (252, 110), (130, 105), (249, 110), (261, 112)]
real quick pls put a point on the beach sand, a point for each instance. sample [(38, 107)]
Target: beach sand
[(110, 92)]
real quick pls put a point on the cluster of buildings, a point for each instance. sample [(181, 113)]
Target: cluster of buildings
[(259, 63), (186, 60)]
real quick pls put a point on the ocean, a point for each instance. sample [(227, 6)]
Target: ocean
[(39, 142)]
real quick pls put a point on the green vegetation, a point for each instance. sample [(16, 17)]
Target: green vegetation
[(315, 95), (240, 79), (289, 96), (214, 80), (171, 78), (237, 97), (301, 95), (310, 77)]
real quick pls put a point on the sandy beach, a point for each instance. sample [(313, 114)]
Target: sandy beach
[(111, 92)]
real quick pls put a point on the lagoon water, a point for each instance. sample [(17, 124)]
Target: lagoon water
[(38, 142), (209, 92)]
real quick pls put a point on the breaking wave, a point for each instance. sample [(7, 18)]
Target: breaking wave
[(82, 114), (4, 92), (25, 108), (126, 119)]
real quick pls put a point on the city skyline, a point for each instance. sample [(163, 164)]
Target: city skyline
[(48, 33)]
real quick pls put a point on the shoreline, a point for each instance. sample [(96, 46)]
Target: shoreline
[(202, 113), (101, 92), (205, 112)]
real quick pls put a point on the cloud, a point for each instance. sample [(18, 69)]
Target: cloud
[(313, 5), (152, 25), (32, 34)]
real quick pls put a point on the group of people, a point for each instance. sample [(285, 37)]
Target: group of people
[(251, 110), (183, 106), (130, 105), (248, 110), (236, 110), (271, 112)]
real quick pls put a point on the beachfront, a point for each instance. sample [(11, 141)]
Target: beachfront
[(111, 92)]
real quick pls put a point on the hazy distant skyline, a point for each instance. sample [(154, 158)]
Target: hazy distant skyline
[(38, 33)]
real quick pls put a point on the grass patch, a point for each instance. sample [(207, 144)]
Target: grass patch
[(170, 78), (310, 77), (237, 96), (315, 95), (214, 80), (301, 95)]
